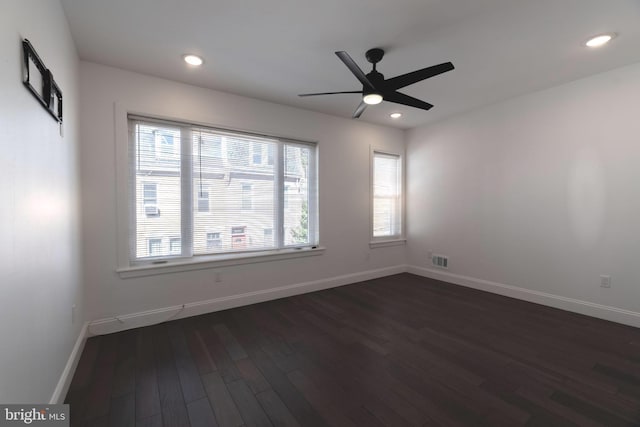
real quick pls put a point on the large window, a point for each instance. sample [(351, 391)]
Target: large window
[(387, 196), (208, 191)]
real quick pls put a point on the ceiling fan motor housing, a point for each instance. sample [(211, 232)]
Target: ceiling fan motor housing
[(377, 80), (374, 55)]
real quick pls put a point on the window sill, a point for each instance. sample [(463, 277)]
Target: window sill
[(217, 261), (385, 243)]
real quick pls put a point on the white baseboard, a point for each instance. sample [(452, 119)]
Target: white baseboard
[(67, 374), (150, 317), (600, 311)]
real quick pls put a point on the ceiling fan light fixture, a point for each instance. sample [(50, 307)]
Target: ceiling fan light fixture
[(600, 40), (194, 60), (372, 98), (375, 88)]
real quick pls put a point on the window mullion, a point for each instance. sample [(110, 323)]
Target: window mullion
[(186, 191), (279, 190)]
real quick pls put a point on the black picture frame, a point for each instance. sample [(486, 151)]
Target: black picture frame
[(49, 95)]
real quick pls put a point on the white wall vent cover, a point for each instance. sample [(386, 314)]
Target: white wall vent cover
[(440, 261)]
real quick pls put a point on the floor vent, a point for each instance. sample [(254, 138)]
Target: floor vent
[(440, 261)]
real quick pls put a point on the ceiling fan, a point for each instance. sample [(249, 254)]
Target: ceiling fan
[(375, 88)]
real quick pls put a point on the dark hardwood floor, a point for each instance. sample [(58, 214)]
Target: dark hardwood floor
[(397, 351)]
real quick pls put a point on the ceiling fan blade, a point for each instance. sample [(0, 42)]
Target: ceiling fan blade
[(359, 110), (403, 80), (401, 98), (353, 67), (328, 93)]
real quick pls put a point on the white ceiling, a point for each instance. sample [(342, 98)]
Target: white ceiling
[(275, 49)]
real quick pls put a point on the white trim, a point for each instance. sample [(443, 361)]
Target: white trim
[(385, 243), (150, 317), (216, 261), (125, 240), (145, 318), (67, 373), (600, 311)]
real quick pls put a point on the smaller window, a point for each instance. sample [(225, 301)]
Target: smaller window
[(155, 247), (150, 199), (387, 195), (175, 246), (150, 193), (167, 147), (256, 153), (212, 146), (203, 201), (214, 241), (247, 202)]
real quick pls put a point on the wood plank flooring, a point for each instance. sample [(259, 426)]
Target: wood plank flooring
[(397, 351)]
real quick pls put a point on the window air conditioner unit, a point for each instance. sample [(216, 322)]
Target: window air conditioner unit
[(151, 210)]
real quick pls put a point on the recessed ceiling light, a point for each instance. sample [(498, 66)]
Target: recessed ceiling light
[(395, 115), (372, 98), (193, 60), (600, 40)]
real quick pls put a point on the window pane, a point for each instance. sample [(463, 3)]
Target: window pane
[(296, 194), (240, 185), (156, 152), (223, 186), (386, 195)]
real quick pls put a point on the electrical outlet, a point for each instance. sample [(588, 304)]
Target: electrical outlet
[(605, 281)]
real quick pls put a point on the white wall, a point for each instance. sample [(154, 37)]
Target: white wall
[(541, 192), (344, 191), (39, 213)]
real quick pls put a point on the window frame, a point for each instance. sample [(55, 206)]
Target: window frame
[(395, 239), (126, 236)]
